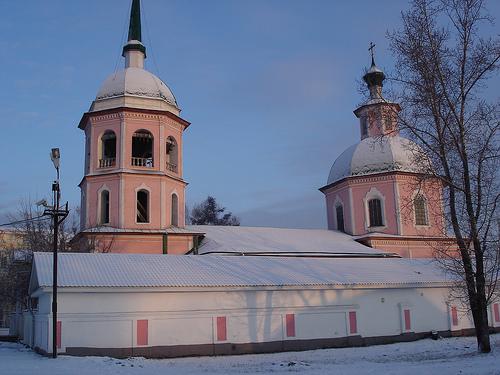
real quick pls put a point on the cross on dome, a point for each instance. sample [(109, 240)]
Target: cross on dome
[(374, 77), (371, 48)]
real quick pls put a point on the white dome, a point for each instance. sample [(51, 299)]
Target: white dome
[(378, 155), (135, 82)]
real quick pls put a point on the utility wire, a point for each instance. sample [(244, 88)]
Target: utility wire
[(122, 40), (148, 35), (37, 218)]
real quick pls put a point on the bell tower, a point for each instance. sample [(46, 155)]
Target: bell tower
[(377, 116), (133, 191)]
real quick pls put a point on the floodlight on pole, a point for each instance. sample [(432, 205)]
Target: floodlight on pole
[(58, 216), (55, 156)]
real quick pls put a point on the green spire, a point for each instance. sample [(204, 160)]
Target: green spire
[(134, 29)]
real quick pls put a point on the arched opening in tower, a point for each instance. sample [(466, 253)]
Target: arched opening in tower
[(142, 149), (108, 149), (172, 154)]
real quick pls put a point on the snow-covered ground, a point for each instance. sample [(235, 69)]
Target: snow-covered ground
[(445, 356)]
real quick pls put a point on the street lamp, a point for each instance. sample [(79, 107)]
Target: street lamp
[(58, 216)]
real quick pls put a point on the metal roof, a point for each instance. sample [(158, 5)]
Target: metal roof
[(240, 239), (151, 270)]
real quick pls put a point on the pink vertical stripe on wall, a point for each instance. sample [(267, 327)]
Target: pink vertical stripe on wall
[(496, 310), (353, 324), (142, 332), (221, 328), (454, 316), (407, 320), (290, 325), (58, 334)]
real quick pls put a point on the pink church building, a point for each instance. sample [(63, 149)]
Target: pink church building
[(241, 289), (380, 189), (133, 192)]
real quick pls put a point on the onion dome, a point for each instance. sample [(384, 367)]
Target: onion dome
[(135, 82), (378, 155), (134, 86)]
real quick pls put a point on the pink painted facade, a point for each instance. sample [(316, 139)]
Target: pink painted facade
[(376, 192), (396, 192), (133, 189), (122, 180)]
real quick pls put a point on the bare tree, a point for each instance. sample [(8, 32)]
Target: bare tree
[(444, 62), (29, 232)]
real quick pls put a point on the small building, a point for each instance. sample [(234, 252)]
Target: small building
[(167, 306)]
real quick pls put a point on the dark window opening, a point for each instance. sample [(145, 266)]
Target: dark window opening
[(175, 210), (105, 207), (172, 155), (375, 210), (420, 211), (142, 206), (388, 123), (339, 210), (108, 149), (364, 127), (142, 149)]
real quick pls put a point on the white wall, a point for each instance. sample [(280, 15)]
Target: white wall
[(109, 319)]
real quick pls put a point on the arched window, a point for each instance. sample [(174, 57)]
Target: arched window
[(142, 149), (175, 210), (143, 206), (172, 154), (419, 205), (104, 217), (108, 149), (339, 212), (375, 212)]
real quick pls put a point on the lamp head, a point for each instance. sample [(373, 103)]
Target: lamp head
[(42, 203), (55, 156)]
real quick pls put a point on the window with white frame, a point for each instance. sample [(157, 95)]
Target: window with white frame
[(339, 214), (375, 213), (142, 149), (108, 149), (420, 207), (143, 206), (104, 215), (172, 154), (175, 210)]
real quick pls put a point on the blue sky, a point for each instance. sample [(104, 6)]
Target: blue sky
[(269, 87)]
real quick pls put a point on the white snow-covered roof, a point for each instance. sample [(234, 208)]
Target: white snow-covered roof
[(240, 239), (377, 155), (135, 82), (177, 271), (374, 69)]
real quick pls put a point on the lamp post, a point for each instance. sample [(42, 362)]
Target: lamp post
[(58, 216)]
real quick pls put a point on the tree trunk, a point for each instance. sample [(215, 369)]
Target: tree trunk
[(482, 328)]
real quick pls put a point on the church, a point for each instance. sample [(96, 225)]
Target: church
[(147, 284)]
